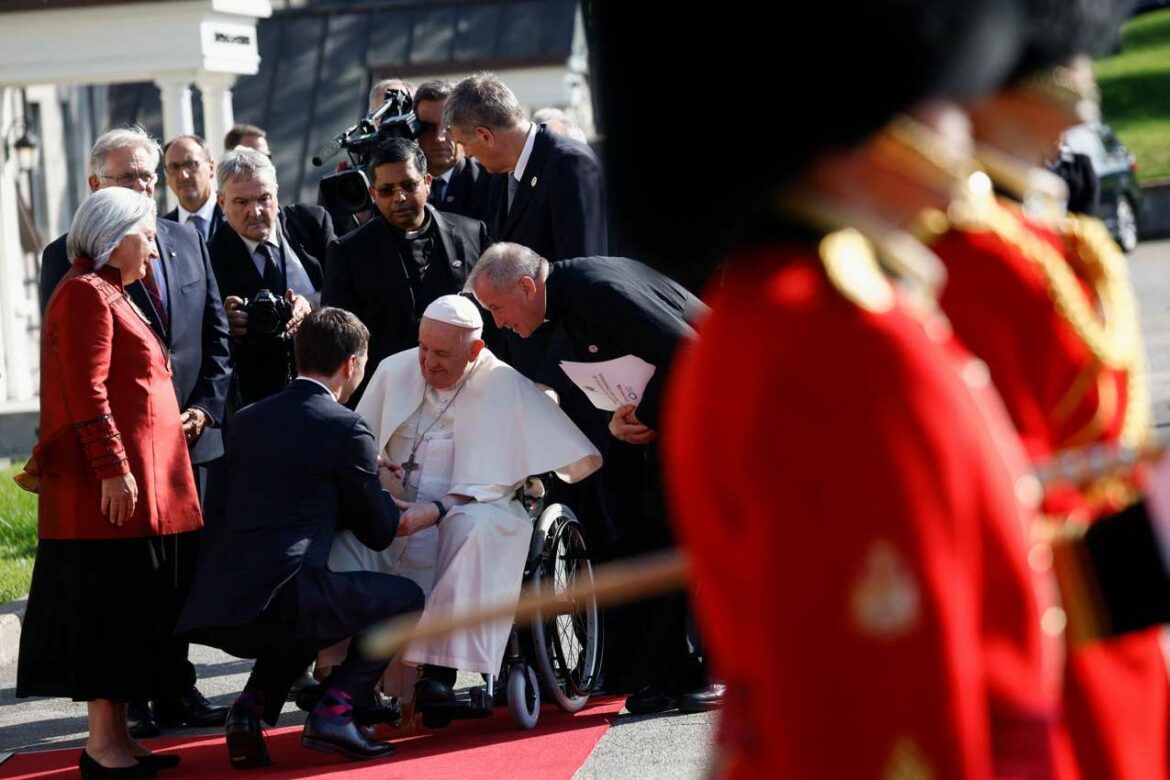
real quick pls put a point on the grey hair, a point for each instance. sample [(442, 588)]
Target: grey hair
[(104, 219), (482, 100), (244, 161), (504, 264), (134, 136), (378, 91)]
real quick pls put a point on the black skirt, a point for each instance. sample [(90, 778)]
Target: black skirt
[(97, 616)]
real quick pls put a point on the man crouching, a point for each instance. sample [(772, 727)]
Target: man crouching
[(301, 467), (460, 432)]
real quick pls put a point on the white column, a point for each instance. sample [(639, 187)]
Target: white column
[(218, 115), (175, 92), (16, 380)]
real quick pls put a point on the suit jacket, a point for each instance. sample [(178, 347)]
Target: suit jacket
[(366, 275), (467, 192), (198, 334), (309, 231), (108, 408), (600, 308), (300, 468), (216, 219), (559, 209)]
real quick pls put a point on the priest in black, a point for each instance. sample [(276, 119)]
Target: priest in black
[(302, 467), (391, 268), (596, 309)]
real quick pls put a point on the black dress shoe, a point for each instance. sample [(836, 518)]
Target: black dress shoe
[(188, 709), (302, 686), (342, 734), (427, 691), (140, 721), (650, 700), (245, 740), (92, 770), (159, 760), (705, 699)]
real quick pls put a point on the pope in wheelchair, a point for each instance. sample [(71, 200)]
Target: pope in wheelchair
[(459, 433)]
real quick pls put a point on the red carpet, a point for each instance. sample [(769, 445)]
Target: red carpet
[(488, 748)]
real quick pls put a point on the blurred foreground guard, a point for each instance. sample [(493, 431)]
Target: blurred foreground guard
[(1044, 299), (262, 589)]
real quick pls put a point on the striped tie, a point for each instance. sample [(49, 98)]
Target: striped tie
[(156, 299)]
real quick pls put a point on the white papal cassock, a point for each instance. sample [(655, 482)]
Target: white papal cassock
[(494, 433)]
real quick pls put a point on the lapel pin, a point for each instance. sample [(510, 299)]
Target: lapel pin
[(533, 182), (456, 263), (450, 198), (593, 348)]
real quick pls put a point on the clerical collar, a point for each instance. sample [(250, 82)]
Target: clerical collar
[(413, 235), (525, 153), (207, 210)]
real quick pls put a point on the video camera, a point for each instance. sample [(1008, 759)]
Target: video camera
[(345, 193)]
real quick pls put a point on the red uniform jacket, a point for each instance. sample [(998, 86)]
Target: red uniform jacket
[(854, 502), (1007, 307), (107, 408)]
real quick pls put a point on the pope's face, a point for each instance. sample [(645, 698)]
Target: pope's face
[(444, 353), (519, 306)]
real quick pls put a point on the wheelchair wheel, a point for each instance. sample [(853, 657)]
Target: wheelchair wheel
[(523, 695), (567, 638)]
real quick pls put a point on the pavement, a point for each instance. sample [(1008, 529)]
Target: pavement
[(638, 747)]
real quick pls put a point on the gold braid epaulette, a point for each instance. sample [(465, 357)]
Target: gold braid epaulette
[(1112, 335)]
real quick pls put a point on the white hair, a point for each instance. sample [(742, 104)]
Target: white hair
[(122, 138), (104, 219), (243, 161), (505, 263)]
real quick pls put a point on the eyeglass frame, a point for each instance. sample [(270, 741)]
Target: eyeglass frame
[(390, 190), (128, 179)]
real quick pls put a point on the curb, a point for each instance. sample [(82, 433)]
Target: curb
[(10, 616)]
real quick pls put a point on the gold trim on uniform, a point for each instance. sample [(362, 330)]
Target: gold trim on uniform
[(906, 762), (852, 268), (885, 600)]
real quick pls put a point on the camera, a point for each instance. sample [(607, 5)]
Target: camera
[(268, 316), (345, 193)]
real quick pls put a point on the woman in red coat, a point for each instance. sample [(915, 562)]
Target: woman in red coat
[(114, 480)]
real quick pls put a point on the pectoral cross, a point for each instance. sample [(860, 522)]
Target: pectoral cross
[(408, 467)]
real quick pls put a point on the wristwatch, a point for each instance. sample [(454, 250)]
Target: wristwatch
[(442, 510)]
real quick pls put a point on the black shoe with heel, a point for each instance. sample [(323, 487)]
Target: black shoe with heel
[(245, 738), (92, 770)]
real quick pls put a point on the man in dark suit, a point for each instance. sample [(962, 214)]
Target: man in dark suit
[(180, 297), (189, 168), (596, 309), (391, 268), (552, 200), (460, 184), (263, 589), (264, 247)]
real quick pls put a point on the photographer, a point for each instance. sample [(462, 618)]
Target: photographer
[(268, 262)]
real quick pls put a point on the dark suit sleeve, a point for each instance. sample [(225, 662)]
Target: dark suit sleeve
[(367, 510), (326, 234), (643, 326), (577, 198), (54, 266), (337, 289), (210, 392)]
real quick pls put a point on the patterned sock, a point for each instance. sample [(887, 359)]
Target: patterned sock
[(335, 706), (253, 700)]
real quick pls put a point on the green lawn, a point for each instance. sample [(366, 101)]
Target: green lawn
[(18, 536), (1135, 92)]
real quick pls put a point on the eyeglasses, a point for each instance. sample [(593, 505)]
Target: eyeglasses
[(408, 188), (128, 179), (190, 166)]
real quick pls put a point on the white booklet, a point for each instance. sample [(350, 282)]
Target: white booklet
[(611, 383)]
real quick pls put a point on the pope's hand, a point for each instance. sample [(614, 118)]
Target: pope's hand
[(626, 427), (415, 517)]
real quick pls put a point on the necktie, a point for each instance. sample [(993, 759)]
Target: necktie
[(513, 187), (200, 224), (438, 187), (156, 299), (273, 279)]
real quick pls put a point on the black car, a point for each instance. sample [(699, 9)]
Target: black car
[(1116, 171)]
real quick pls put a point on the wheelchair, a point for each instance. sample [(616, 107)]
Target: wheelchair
[(558, 656)]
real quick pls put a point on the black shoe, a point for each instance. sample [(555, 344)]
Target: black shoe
[(303, 685), (92, 770), (650, 700), (382, 709), (245, 740), (159, 760), (429, 692), (188, 709), (331, 729), (140, 721), (705, 699)]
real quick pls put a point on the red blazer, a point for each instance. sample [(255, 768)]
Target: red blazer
[(1059, 394), (850, 493), (107, 408)]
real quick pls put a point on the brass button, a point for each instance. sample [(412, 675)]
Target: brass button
[(976, 374), (1040, 558), (1053, 621), (1029, 491)]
